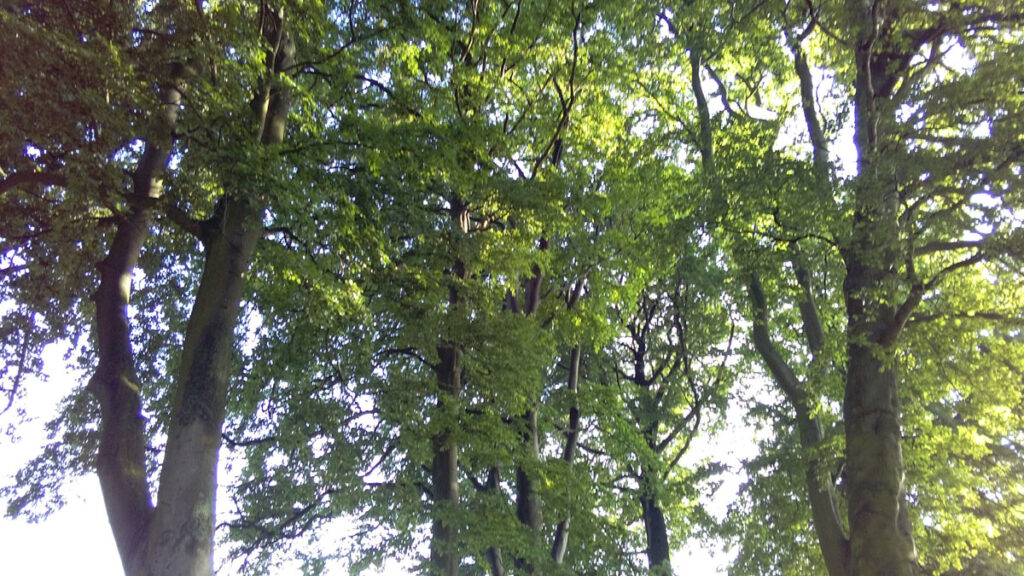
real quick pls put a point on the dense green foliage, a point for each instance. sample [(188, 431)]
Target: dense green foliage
[(516, 259)]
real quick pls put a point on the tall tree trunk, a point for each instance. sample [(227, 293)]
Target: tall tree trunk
[(181, 536), (444, 555), (176, 537), (561, 542), (880, 537), (828, 527), (494, 557), (833, 541), (527, 506), (658, 552), (121, 462), (527, 503)]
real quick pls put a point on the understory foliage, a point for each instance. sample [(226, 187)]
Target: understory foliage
[(485, 287)]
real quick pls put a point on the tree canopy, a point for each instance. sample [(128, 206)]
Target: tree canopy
[(473, 279)]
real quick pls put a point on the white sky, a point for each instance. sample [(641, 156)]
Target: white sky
[(77, 539)]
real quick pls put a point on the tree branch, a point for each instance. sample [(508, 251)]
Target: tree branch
[(32, 178), (824, 510)]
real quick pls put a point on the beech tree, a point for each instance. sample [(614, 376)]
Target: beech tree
[(468, 277), (179, 74), (898, 101)]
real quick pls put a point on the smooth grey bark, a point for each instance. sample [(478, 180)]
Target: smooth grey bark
[(881, 541), (176, 536), (181, 536), (121, 458)]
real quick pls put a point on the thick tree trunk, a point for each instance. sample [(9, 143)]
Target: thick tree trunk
[(121, 462), (181, 535), (444, 555), (176, 537), (658, 552), (880, 538), (881, 542)]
